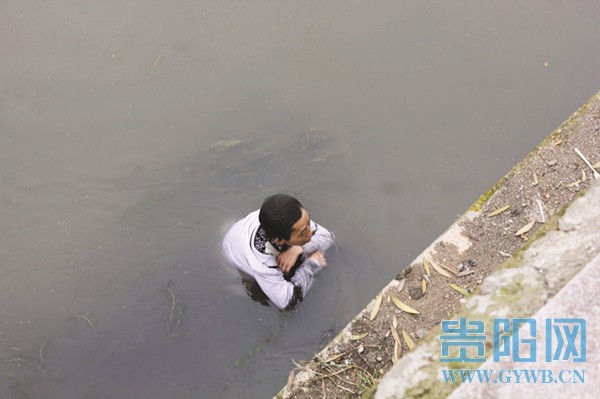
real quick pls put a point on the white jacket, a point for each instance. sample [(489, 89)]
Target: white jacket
[(239, 249)]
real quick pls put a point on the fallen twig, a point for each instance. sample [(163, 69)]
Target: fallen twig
[(596, 174)]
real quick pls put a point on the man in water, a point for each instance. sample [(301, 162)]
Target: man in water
[(280, 248)]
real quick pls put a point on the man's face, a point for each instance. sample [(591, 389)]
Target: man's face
[(301, 232)]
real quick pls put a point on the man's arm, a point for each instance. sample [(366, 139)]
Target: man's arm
[(321, 240), (285, 294), (288, 259)]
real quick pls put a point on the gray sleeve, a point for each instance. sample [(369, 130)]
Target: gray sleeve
[(302, 281), (321, 240), (285, 294)]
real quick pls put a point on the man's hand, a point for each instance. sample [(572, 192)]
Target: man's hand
[(319, 257), (287, 259)]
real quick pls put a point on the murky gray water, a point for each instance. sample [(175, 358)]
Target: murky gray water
[(386, 120)]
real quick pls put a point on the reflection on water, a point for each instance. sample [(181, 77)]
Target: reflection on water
[(132, 134)]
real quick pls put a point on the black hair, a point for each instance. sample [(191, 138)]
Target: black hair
[(278, 214)]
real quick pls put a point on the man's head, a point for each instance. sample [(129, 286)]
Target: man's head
[(285, 220)]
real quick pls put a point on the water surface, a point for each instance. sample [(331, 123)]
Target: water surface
[(132, 133)]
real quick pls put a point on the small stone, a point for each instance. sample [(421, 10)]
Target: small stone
[(379, 358), (415, 292), (360, 349), (403, 273), (421, 333)]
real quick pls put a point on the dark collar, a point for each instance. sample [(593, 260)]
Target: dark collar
[(260, 242)]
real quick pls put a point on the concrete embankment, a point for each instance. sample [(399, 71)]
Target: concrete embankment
[(527, 248), (558, 276)]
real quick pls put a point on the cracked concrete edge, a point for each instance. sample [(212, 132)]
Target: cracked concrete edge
[(452, 235), (518, 288)]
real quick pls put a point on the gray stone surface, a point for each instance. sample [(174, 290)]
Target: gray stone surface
[(578, 299)]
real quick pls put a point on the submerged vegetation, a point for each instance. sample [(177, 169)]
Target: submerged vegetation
[(20, 387), (86, 319), (176, 311), (20, 358)]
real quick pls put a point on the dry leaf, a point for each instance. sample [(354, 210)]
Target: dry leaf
[(423, 286), (500, 210), (397, 352), (465, 273), (440, 270), (525, 228), (596, 165), (394, 321), (408, 340), (358, 337), (376, 307), (404, 307), (575, 183), (459, 289), (395, 335), (401, 284), (451, 269), (426, 265), (535, 178)]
